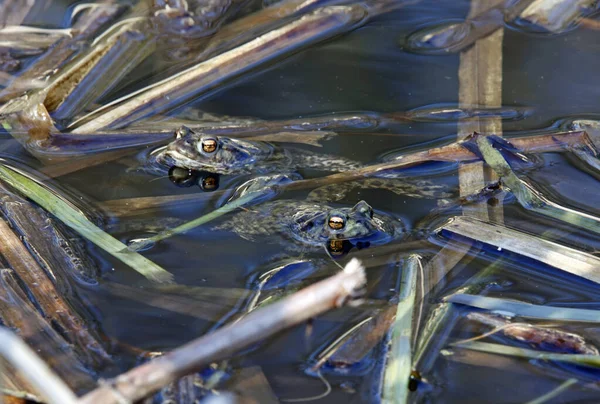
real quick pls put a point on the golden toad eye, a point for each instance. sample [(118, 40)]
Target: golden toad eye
[(336, 222), (336, 245), (208, 145)]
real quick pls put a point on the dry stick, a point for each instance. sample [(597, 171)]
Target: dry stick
[(15, 11), (480, 83), (53, 306), (100, 69), (18, 313), (34, 369), (88, 25), (225, 342), (251, 26), (30, 41), (480, 76), (454, 152), (550, 253), (171, 92)]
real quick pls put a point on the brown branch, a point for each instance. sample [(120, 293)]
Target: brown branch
[(225, 342), (203, 77), (454, 152), (52, 304), (18, 313), (89, 24)]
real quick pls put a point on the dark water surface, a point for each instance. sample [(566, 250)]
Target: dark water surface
[(365, 70)]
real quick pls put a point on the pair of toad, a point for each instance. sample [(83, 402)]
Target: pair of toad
[(311, 223)]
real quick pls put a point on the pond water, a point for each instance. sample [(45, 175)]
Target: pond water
[(367, 69)]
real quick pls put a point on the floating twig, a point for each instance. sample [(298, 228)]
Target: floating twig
[(446, 38), (454, 152), (19, 313), (53, 305), (553, 16), (172, 92), (523, 309), (252, 382), (542, 338), (35, 370), (223, 343), (550, 253), (99, 69), (205, 303), (89, 23)]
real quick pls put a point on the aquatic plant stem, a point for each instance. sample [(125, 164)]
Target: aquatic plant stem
[(18, 354), (228, 207), (76, 220), (527, 196), (399, 364), (555, 392), (523, 309), (564, 258), (225, 342)]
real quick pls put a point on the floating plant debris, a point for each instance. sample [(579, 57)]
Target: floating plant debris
[(370, 201)]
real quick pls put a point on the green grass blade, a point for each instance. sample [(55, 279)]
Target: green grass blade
[(555, 392), (592, 361), (528, 197), (526, 309), (399, 364), (78, 222), (228, 207)]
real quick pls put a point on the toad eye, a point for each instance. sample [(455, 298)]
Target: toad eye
[(336, 222), (208, 145), (209, 183)]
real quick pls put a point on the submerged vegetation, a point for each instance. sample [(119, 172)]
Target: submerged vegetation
[(249, 201)]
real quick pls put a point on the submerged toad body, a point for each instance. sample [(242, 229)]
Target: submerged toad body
[(310, 225), (227, 156)]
